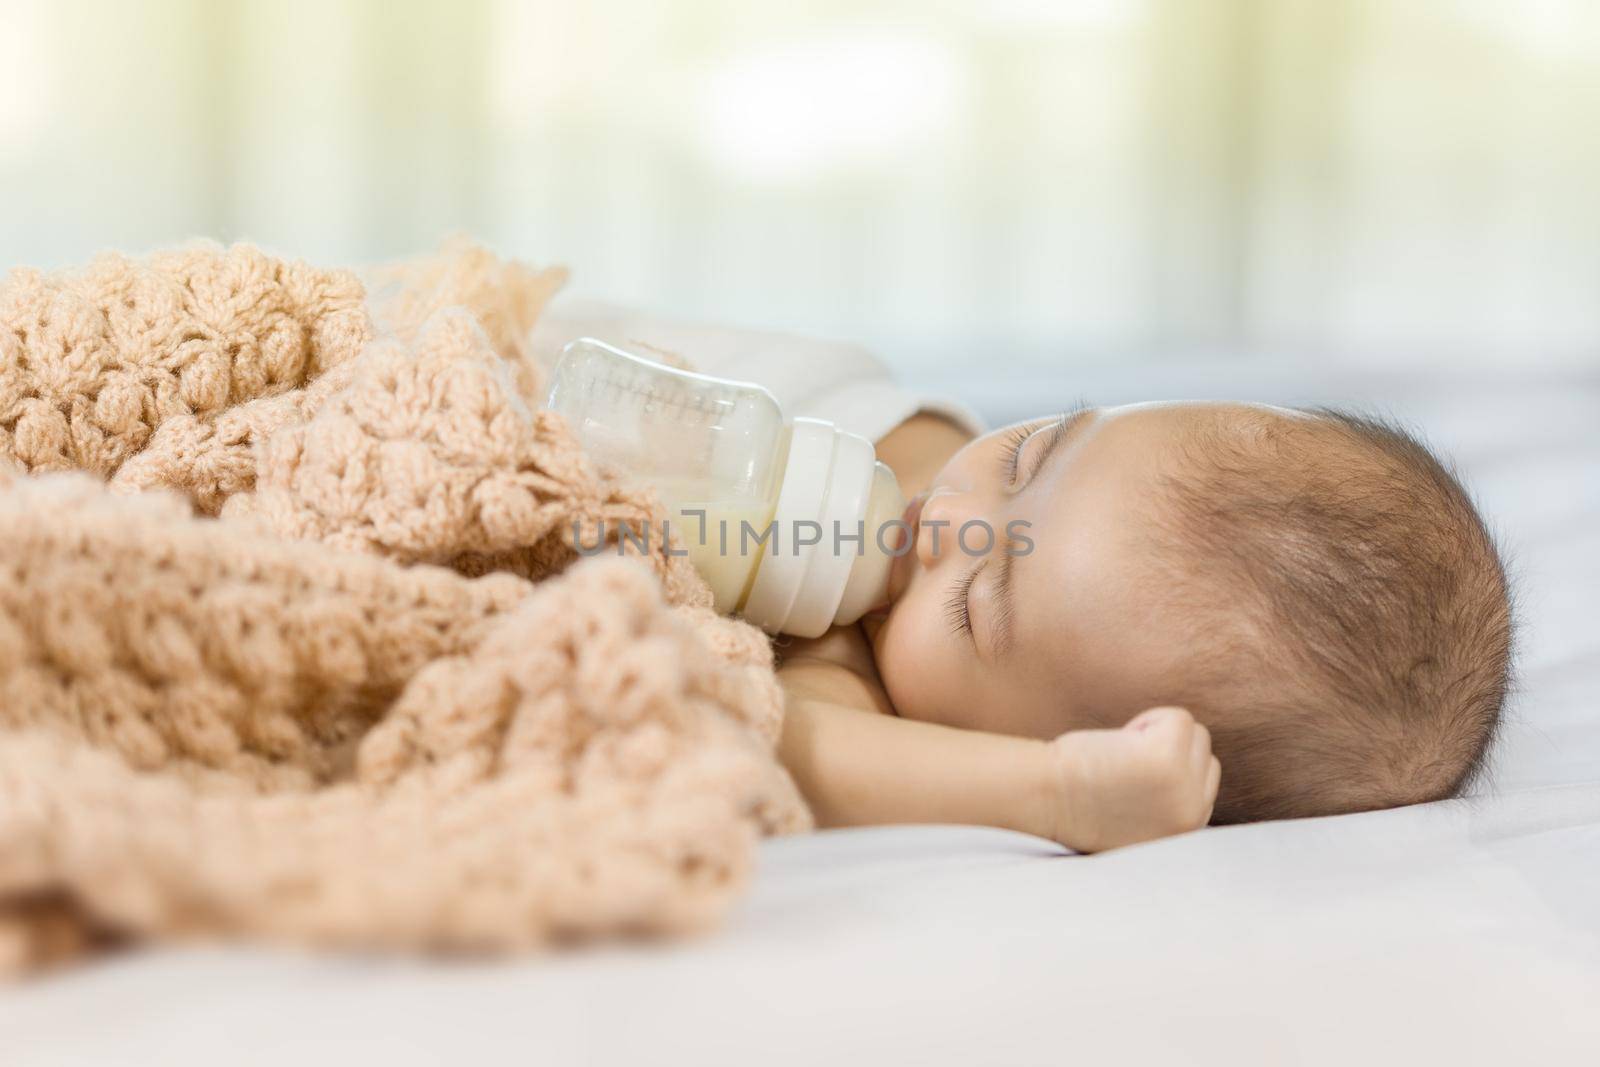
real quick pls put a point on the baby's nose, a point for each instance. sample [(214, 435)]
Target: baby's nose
[(944, 513)]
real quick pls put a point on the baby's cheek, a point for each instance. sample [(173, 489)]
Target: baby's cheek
[(912, 670)]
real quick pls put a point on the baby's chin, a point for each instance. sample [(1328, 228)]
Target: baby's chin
[(875, 626)]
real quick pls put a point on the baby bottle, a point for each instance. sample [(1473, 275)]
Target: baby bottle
[(792, 525)]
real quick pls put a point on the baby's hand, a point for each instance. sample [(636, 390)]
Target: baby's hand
[(1154, 777)]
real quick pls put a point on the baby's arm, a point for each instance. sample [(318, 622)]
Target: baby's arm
[(858, 768), (1090, 789)]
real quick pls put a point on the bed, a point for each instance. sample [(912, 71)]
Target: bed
[(1459, 932)]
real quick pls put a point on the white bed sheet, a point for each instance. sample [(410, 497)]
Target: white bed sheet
[(1463, 932)]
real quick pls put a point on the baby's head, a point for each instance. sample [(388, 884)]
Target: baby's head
[(1314, 586)]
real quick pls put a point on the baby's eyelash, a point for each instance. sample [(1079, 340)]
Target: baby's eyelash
[(1011, 454), (956, 612), (1018, 436)]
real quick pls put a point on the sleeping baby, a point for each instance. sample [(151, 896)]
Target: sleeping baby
[(1225, 613), (1231, 612)]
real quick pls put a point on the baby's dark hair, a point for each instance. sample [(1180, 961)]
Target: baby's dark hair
[(1370, 658)]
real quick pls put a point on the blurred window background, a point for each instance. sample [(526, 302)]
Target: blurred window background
[(1052, 181)]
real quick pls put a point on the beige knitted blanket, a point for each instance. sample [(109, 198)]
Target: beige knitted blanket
[(281, 655)]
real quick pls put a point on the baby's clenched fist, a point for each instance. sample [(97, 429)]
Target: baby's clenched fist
[(1154, 777)]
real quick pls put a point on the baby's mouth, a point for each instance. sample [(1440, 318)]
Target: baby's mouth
[(900, 568)]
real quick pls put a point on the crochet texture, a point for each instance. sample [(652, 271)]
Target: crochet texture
[(284, 651)]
